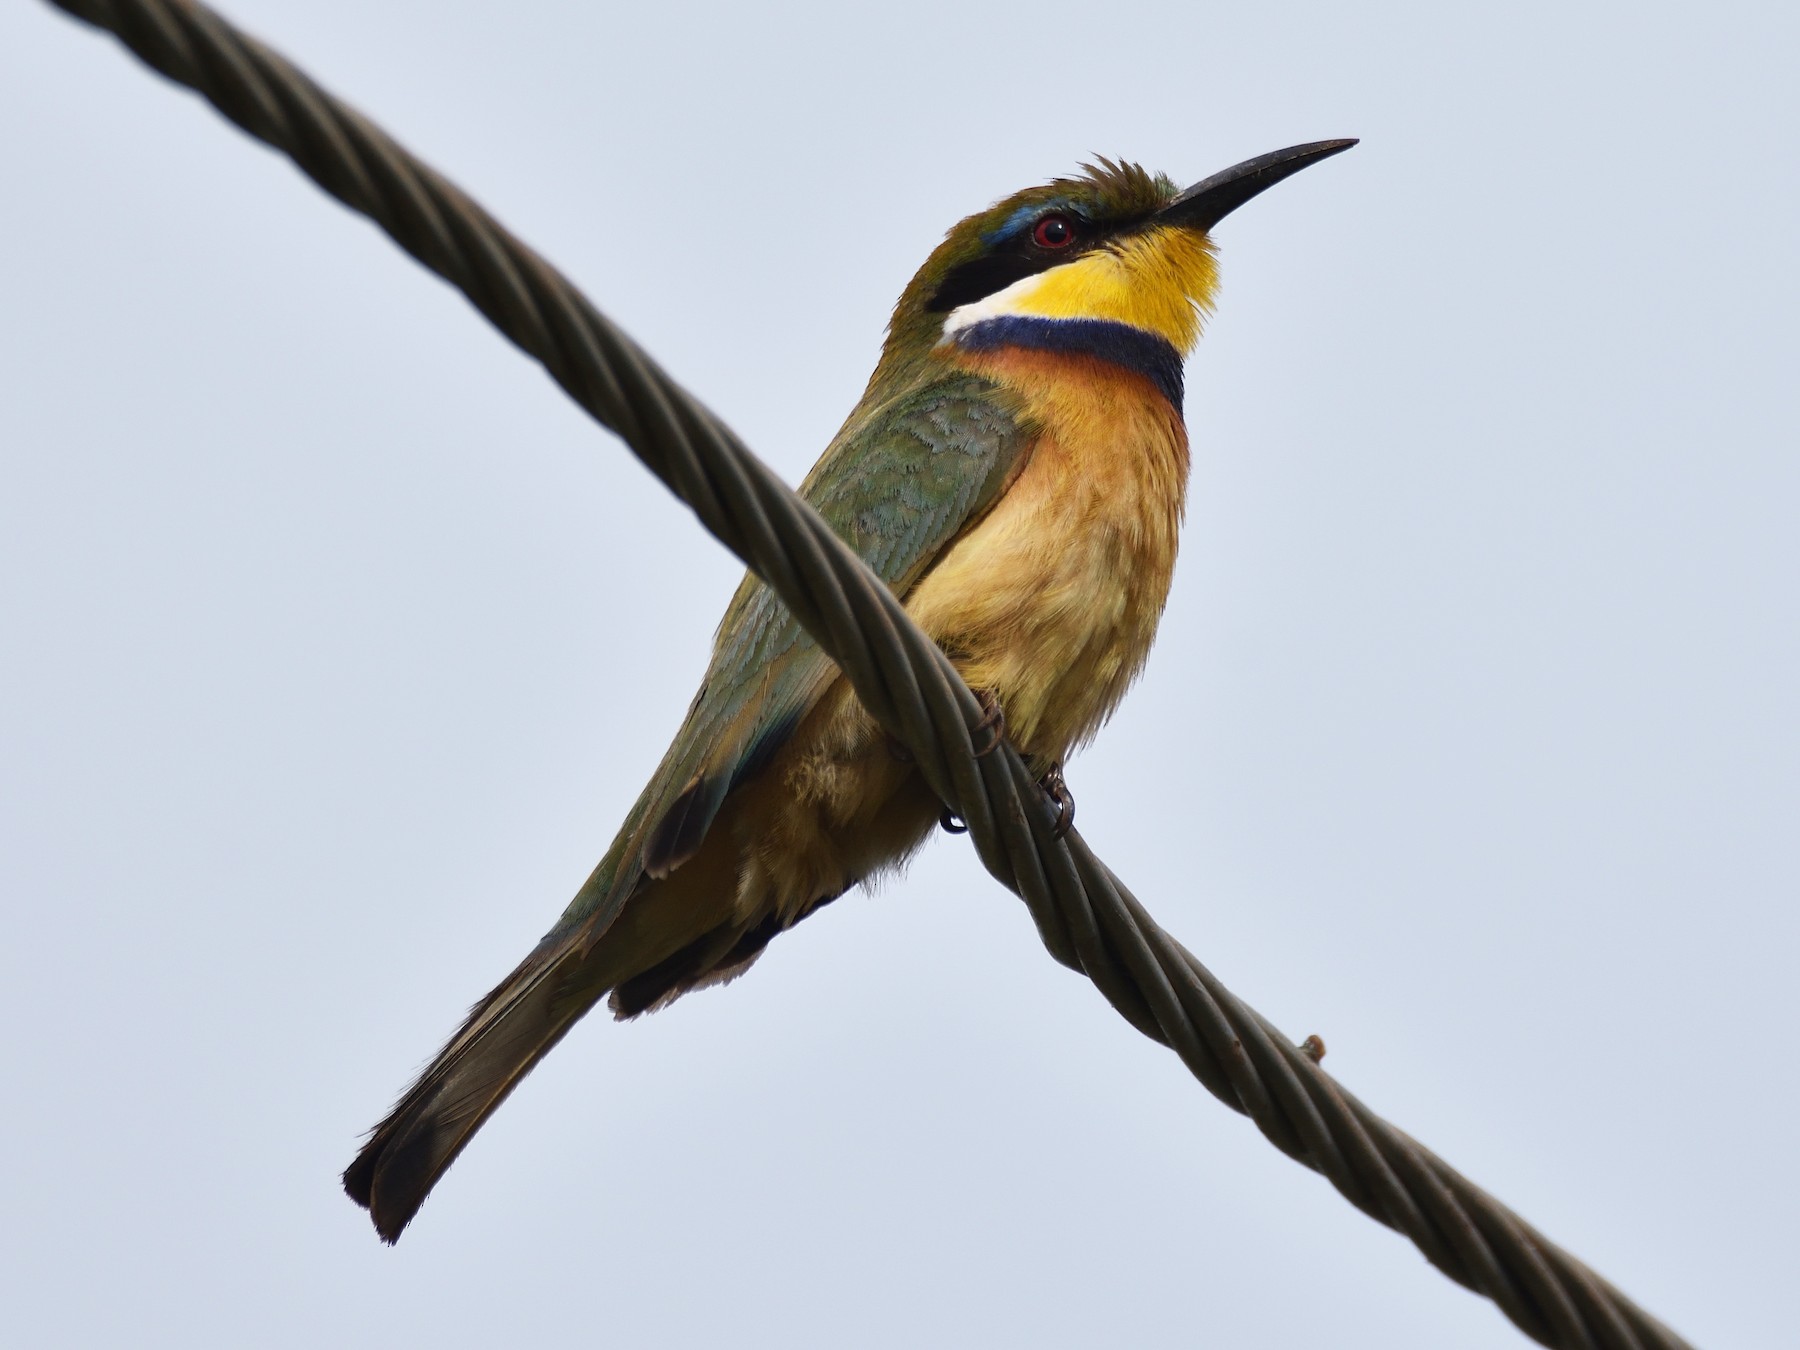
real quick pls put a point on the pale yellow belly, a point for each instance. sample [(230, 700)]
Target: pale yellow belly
[(1049, 603), (1053, 600)]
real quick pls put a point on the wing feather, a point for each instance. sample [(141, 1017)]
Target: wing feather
[(899, 484)]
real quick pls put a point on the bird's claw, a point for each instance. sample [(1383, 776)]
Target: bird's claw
[(1058, 791), (951, 823), (993, 721)]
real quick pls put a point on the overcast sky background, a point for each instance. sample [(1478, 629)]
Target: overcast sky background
[(334, 643)]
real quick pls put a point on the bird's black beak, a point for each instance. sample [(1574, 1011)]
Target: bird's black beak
[(1210, 200)]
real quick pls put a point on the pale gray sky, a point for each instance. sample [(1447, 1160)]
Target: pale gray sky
[(334, 642)]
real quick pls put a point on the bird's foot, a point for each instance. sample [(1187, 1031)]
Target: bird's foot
[(1058, 791), (993, 722)]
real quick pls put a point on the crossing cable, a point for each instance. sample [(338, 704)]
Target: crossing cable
[(1085, 916)]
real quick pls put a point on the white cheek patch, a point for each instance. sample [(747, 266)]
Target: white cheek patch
[(1013, 299)]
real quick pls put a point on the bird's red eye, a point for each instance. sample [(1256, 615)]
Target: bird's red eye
[(1053, 232)]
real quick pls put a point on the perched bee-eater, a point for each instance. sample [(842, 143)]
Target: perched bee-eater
[(1015, 471)]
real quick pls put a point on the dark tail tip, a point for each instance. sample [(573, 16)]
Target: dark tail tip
[(359, 1178), (390, 1178)]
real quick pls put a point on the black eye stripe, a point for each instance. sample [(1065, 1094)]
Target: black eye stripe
[(1020, 257), (981, 277)]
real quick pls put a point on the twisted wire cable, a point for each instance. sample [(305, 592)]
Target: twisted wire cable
[(1085, 916)]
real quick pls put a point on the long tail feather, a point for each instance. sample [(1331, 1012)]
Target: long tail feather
[(505, 1035)]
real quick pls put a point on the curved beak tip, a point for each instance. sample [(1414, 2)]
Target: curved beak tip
[(1210, 200)]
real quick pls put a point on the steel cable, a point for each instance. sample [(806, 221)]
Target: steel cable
[(1085, 916)]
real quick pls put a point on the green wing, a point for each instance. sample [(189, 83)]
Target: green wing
[(899, 483)]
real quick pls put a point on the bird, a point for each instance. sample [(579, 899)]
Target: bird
[(1015, 471)]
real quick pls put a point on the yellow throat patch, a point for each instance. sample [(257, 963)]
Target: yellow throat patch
[(1160, 280)]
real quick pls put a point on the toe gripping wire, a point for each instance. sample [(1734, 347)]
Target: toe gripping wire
[(990, 732), (1084, 915)]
